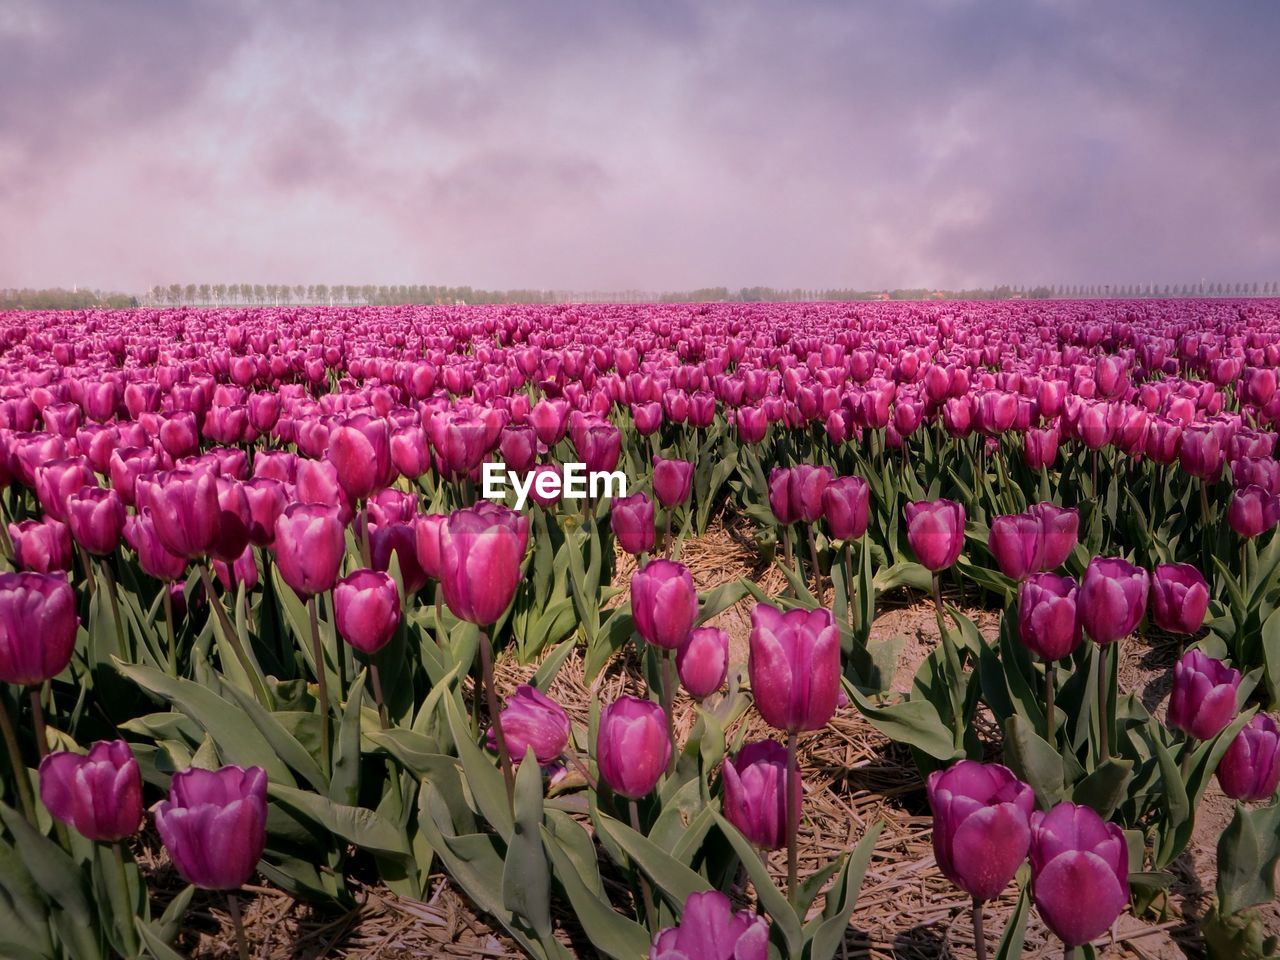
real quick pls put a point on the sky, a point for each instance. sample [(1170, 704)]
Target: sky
[(650, 145)]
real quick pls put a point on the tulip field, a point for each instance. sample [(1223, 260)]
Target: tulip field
[(263, 636)]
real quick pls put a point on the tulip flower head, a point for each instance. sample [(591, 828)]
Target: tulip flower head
[(1048, 619), (702, 661), (794, 666), (1112, 598), (38, 624), (664, 603), (214, 825), (755, 793), (632, 521), (672, 481), (309, 546), (481, 549), (99, 794), (1079, 872), (632, 746), (1250, 769), (846, 505), (981, 826), (532, 720), (1179, 598), (710, 930), (935, 530), (1203, 702), (367, 609)]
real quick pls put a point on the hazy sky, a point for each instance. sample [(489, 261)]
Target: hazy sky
[(646, 144)]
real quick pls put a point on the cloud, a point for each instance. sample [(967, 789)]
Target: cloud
[(650, 145)]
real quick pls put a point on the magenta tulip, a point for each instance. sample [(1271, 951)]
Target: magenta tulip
[(481, 550), (184, 508), (1059, 533), (794, 665), (1112, 598), (632, 521), (755, 793), (309, 547), (672, 481), (214, 825), (1250, 769), (153, 557), (1179, 598), (846, 505), (664, 603), (935, 530), (533, 721), (38, 625), (100, 794), (95, 516), (366, 606), (1203, 702), (1048, 621), (710, 930), (1017, 543), (632, 746), (1079, 872), (702, 661), (981, 825), (41, 546), (1252, 512)]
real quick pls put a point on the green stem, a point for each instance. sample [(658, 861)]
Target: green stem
[(1050, 729), (25, 797), (122, 906), (233, 637), (651, 914), (114, 593), (172, 659), (37, 721), (495, 717), (668, 694), (322, 683), (242, 945), (793, 817), (1104, 734), (813, 562), (979, 935)]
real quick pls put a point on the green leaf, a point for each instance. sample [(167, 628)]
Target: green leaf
[(1035, 761), (154, 943), (609, 932), (771, 898), (1015, 931), (483, 779), (526, 880), (357, 825), (1248, 852), (913, 722), (672, 878), (1106, 788), (344, 787), (826, 934)]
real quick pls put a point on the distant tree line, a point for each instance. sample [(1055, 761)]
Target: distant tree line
[(59, 299), (273, 294)]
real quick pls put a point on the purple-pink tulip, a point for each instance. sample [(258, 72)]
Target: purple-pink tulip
[(664, 603), (1079, 872), (794, 666), (1048, 619), (533, 721), (1203, 701), (1112, 598), (214, 825), (309, 546), (481, 550), (702, 661), (99, 794), (366, 606), (1179, 598), (935, 530), (710, 930), (755, 793), (38, 624), (1250, 769), (632, 746)]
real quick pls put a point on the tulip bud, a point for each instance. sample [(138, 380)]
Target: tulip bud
[(481, 550), (1040, 447), (1112, 598), (981, 825), (846, 505), (794, 666), (807, 485), (703, 661), (409, 451), (664, 603), (184, 508), (632, 747), (1252, 512), (935, 530), (1179, 598), (309, 547), (632, 521), (1079, 872), (56, 480), (400, 539), (755, 793), (38, 624), (1059, 533), (1203, 702), (366, 606), (1016, 541), (99, 794), (1250, 769), (153, 557), (42, 546), (214, 825), (1048, 621), (426, 531), (672, 481), (710, 930), (532, 720), (96, 518), (780, 501)]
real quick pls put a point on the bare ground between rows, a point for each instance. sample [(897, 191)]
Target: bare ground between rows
[(854, 778)]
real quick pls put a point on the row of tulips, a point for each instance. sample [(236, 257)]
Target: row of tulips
[(250, 518)]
